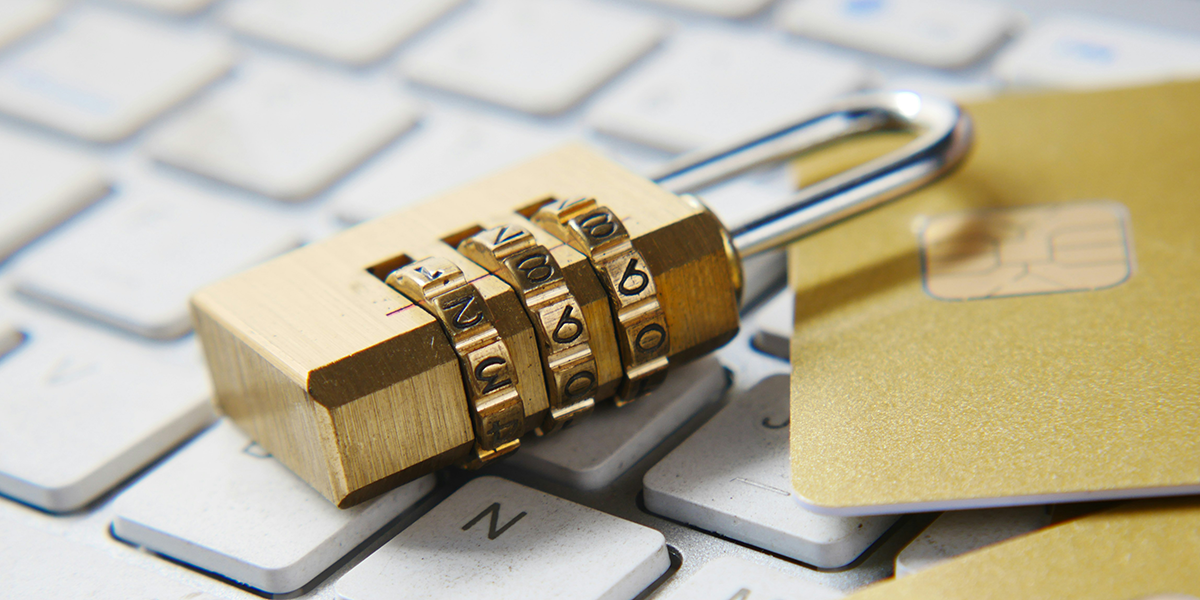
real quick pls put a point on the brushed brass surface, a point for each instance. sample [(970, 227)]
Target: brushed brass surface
[(357, 389), (496, 408), (1145, 550), (641, 328), (902, 400), (511, 252)]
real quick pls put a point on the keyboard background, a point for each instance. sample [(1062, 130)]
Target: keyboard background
[(415, 121)]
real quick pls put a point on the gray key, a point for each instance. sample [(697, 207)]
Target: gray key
[(733, 477), (498, 540), (591, 454)]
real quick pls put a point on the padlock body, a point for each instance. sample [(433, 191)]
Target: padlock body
[(357, 389)]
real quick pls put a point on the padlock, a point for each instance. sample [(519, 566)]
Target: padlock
[(442, 333)]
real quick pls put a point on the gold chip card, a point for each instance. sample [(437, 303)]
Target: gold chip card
[(1018, 251), (1145, 550), (1024, 331)]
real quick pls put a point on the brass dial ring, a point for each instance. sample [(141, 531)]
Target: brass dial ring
[(640, 322), (438, 286), (511, 252)]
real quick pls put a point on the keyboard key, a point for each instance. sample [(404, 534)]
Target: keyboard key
[(594, 452), (499, 540), (733, 477), (19, 17), (772, 324), (37, 564), (538, 56), (224, 505), (720, 8), (762, 274), (178, 7), (135, 260), (101, 77), (1085, 53), (351, 31), (286, 131), (41, 185), (447, 149), (731, 578), (939, 33), (709, 86), (738, 200), (959, 532), (84, 409), (956, 88)]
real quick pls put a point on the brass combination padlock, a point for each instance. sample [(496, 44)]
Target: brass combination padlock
[(442, 333)]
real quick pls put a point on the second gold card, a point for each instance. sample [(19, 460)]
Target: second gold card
[(1025, 331)]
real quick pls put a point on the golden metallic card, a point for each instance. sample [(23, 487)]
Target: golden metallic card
[(1024, 331), (1145, 550)]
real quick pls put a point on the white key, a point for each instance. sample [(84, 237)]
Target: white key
[(101, 77), (84, 409), (224, 505), (762, 273), (498, 540), (772, 324), (19, 17), (748, 365), (447, 149), (732, 578), (959, 532), (958, 89), (720, 8), (1081, 53), (939, 33), (351, 31), (733, 476), (176, 7), (134, 261), (592, 453), (285, 130), (539, 56), (41, 185), (738, 200), (38, 564), (710, 86)]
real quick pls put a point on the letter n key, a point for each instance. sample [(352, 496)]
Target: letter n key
[(493, 532)]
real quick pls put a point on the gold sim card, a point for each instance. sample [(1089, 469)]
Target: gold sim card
[(1146, 550), (1067, 247), (1025, 331)]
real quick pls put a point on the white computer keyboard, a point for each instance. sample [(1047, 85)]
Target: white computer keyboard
[(148, 147)]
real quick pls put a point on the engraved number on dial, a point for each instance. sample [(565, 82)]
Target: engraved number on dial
[(536, 267), (498, 429), (466, 316), (505, 234), (650, 338), (579, 385), (598, 226), (633, 281), (485, 372), (568, 328), (430, 274)]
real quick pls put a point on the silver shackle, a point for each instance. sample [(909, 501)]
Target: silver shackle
[(943, 138)]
